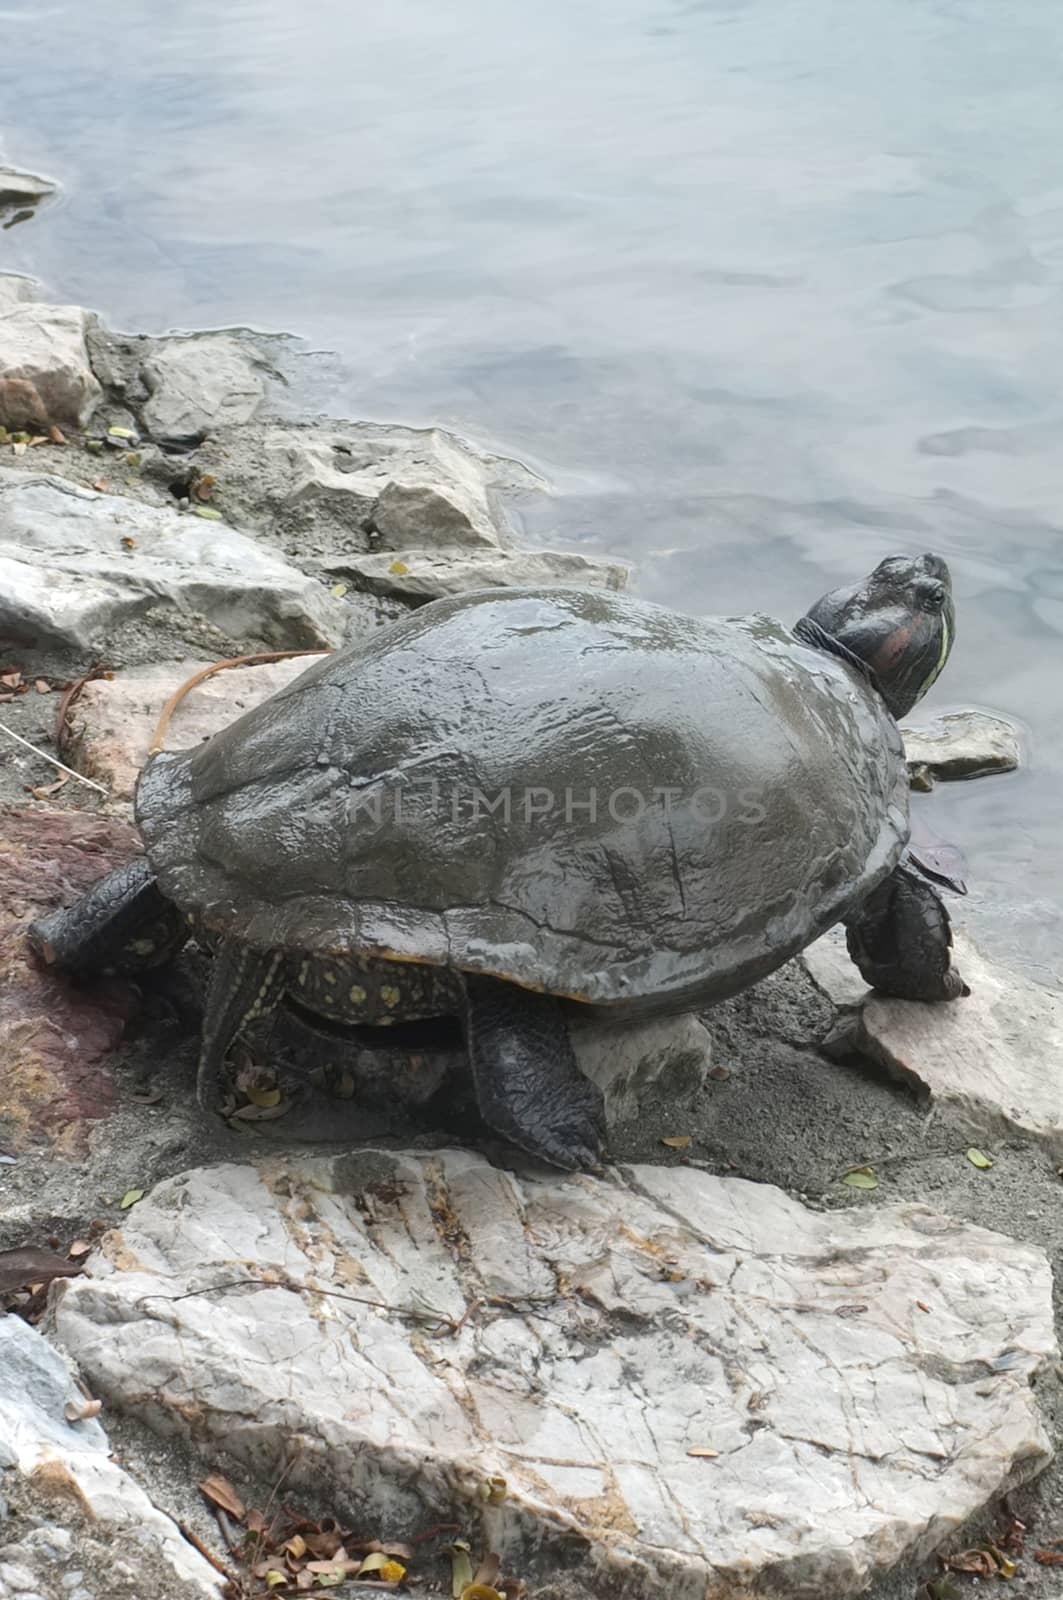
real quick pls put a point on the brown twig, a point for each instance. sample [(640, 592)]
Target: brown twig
[(208, 1555), (436, 1318), (66, 703), (208, 672)]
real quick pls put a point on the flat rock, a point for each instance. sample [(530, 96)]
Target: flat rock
[(199, 384), (57, 1041), (692, 1386), (43, 347), (20, 190), (113, 720), (963, 744), (68, 580), (67, 1465), (992, 1061), (428, 574)]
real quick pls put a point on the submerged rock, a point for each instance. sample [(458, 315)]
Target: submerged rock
[(42, 348), (961, 744), (992, 1061), (76, 566), (20, 191), (198, 384), (67, 1467), (690, 1385)]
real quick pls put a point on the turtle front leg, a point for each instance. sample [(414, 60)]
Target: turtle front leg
[(245, 985), (901, 939), (528, 1085), (124, 923)]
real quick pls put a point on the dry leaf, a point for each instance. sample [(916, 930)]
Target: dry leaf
[(220, 1492), (11, 680), (56, 435), (461, 1570), (79, 1248), (264, 1097), (399, 568), (296, 1547), (82, 1410), (861, 1178), (678, 1141), (720, 1074), (130, 1198), (101, 486), (703, 1452), (128, 543), (26, 1265), (42, 686), (1048, 1558), (922, 1305), (977, 1159)]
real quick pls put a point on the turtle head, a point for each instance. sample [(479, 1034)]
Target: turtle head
[(899, 623)]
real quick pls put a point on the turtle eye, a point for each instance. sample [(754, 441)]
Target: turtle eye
[(932, 597)]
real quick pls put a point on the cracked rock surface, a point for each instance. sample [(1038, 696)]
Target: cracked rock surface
[(581, 1339), (45, 374)]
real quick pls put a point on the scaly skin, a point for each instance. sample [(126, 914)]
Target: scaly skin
[(901, 939)]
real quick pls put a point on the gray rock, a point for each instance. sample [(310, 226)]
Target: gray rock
[(43, 347), (427, 574), (200, 384), (413, 487), (669, 1055), (71, 1464), (962, 744), (21, 189), (992, 1061), (67, 580), (690, 1385)]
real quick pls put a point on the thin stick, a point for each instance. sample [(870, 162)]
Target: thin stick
[(91, 782), (208, 672)]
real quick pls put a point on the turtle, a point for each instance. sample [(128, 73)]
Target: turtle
[(514, 805)]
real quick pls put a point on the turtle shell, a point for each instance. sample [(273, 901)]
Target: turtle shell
[(577, 791)]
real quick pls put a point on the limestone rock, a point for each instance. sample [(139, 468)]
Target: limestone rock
[(68, 580), (992, 1061), (962, 744), (595, 1339), (668, 1055), (199, 384), (413, 487), (428, 574), (68, 1464), (44, 346), (57, 1040), (113, 720)]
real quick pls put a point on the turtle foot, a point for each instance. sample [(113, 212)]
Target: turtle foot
[(528, 1085)]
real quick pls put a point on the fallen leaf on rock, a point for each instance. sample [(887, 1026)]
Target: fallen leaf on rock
[(977, 1562), (339, 590), (861, 1178), (149, 1097), (220, 1492), (703, 1452), (922, 1305), (264, 1097), (101, 486), (79, 1248), (399, 568), (26, 1265), (720, 1074), (207, 512), (488, 1570), (11, 680), (480, 1591), (41, 686), (121, 433), (44, 791), (274, 1579), (461, 1570), (260, 1113), (390, 1571), (678, 1141), (130, 1198), (1048, 1558), (56, 435), (977, 1159)]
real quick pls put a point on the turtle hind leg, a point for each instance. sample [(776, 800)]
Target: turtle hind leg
[(124, 923), (901, 939), (528, 1085), (245, 985)]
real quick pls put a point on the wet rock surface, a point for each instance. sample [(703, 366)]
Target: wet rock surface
[(962, 744), (426, 574), (774, 1436), (199, 384), (20, 194)]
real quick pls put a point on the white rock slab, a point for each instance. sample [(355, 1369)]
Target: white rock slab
[(428, 574), (201, 383), (66, 578), (418, 487), (993, 1061), (44, 346), (592, 1334), (70, 1462), (963, 744), (113, 720)]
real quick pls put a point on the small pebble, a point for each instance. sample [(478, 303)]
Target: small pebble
[(16, 1577), (70, 1580)]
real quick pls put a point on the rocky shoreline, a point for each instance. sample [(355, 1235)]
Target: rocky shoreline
[(669, 1381)]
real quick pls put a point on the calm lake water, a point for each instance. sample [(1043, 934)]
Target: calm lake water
[(766, 290)]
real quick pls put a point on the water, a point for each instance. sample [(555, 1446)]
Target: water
[(765, 290)]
